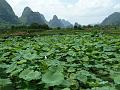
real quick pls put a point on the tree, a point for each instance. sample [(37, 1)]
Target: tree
[(34, 26), (80, 27), (58, 28), (44, 26), (76, 25)]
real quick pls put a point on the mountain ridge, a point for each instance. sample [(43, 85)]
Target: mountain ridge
[(7, 14), (28, 17), (113, 19), (56, 22)]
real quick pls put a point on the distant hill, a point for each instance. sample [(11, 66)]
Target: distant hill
[(55, 22), (28, 17), (66, 24), (7, 14), (113, 19)]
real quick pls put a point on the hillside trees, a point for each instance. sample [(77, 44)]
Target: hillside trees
[(32, 26)]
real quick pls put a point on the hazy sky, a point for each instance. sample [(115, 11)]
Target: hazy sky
[(81, 11)]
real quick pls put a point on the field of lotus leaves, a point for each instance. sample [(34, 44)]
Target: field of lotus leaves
[(88, 61)]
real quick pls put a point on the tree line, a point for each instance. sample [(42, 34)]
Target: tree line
[(75, 27), (32, 26)]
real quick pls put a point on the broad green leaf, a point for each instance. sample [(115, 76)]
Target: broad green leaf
[(17, 71), (66, 89), (117, 79), (30, 56), (82, 75), (71, 69), (71, 53), (99, 66), (86, 58), (53, 78), (70, 59), (3, 65), (21, 61), (4, 82), (66, 83), (104, 88), (6, 54), (29, 75), (11, 68)]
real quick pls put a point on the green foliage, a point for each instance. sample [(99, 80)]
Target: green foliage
[(82, 75), (4, 82), (31, 26), (37, 26), (117, 79), (29, 75), (11, 68), (88, 61), (104, 88), (66, 89), (77, 26), (53, 77)]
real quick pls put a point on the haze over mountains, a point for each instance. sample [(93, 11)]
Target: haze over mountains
[(28, 17)]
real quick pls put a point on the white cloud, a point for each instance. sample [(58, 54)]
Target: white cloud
[(82, 11)]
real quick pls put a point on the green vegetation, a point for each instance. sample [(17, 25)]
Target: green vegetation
[(44, 30), (36, 54), (32, 26), (86, 61)]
